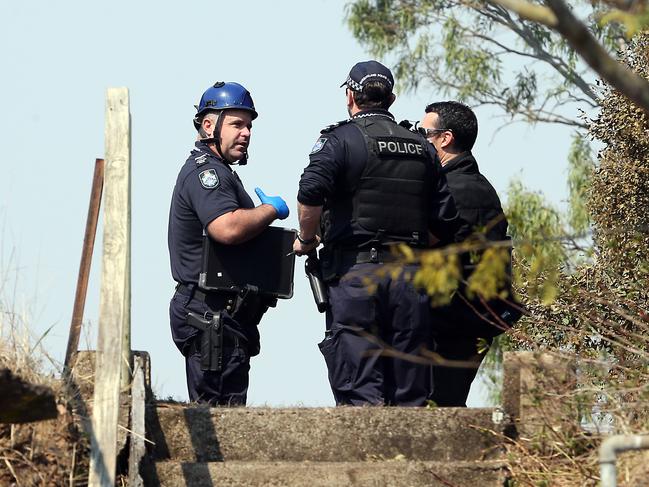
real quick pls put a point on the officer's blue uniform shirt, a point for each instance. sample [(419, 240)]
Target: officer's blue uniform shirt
[(206, 188), (336, 163)]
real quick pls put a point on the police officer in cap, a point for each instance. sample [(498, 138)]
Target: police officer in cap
[(371, 184), (209, 199)]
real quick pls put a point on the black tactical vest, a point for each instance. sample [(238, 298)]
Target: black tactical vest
[(391, 201)]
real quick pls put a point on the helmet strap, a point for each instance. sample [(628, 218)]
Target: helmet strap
[(216, 135)]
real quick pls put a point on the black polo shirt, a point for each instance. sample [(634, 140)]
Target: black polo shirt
[(206, 188)]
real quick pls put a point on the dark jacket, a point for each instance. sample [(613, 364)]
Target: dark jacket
[(479, 206), (475, 198)]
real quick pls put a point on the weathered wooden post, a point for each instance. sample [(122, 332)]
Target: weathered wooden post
[(113, 343)]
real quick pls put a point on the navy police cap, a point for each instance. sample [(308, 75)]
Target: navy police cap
[(366, 71)]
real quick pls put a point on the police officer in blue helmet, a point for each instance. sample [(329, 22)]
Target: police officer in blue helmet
[(371, 185), (210, 200)]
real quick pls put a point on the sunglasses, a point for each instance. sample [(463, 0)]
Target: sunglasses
[(430, 132)]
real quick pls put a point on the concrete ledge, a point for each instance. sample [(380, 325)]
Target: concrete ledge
[(323, 474), (84, 372), (533, 387), (201, 434)]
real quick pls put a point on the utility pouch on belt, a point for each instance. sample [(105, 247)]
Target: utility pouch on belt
[(211, 346), (329, 264)]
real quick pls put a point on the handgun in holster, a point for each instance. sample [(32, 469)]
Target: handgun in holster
[(211, 339)]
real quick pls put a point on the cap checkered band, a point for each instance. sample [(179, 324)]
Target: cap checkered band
[(353, 84)]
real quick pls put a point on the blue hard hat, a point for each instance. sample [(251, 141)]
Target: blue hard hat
[(224, 96)]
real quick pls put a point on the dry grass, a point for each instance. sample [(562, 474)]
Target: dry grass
[(609, 395), (46, 453)]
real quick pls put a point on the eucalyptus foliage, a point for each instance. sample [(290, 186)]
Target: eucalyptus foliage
[(483, 54), (602, 303), (581, 166)]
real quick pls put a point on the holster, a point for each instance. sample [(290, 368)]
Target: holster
[(211, 339), (318, 287), (250, 306)]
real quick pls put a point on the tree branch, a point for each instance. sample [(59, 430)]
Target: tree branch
[(530, 114), (524, 32), (628, 82), (506, 50), (542, 55), (530, 11)]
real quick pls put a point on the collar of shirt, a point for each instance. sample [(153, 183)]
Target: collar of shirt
[(373, 112), (463, 162), (203, 148)]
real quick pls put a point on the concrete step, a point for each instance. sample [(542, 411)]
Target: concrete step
[(200, 434), (391, 473)]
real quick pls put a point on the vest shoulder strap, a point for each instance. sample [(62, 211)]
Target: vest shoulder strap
[(329, 128)]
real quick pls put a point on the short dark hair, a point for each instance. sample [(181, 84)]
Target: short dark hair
[(460, 119), (375, 94)]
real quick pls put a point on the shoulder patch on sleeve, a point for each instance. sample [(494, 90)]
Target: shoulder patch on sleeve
[(209, 179), (329, 128), (319, 144)]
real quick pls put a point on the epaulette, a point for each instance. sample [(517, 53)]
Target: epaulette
[(329, 128), (200, 160)]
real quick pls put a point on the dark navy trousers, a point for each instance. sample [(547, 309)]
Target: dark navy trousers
[(377, 326), (452, 381), (456, 334), (228, 387)]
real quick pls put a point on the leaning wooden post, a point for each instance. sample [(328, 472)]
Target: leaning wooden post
[(114, 303)]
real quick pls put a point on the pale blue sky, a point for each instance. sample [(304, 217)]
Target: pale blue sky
[(58, 59)]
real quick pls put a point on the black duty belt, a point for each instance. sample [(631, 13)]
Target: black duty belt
[(374, 255), (219, 298)]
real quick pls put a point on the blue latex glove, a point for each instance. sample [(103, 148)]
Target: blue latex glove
[(275, 201)]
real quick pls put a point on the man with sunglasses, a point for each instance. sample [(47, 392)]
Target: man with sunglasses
[(369, 186), (452, 128)]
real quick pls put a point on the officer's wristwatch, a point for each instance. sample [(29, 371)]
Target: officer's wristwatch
[(308, 241)]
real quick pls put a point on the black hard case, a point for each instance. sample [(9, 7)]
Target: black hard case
[(267, 262)]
